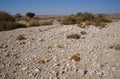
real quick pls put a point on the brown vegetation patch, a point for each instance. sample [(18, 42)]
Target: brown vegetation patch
[(60, 46), (49, 49), (83, 32), (73, 36), (40, 62), (75, 57), (115, 46), (20, 37)]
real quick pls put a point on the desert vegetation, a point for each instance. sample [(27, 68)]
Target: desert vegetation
[(75, 57), (115, 46), (20, 37), (73, 36), (8, 22), (30, 14), (85, 19), (60, 50), (40, 61)]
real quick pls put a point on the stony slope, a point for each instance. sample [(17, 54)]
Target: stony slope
[(46, 52)]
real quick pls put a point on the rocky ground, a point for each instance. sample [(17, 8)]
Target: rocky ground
[(46, 53)]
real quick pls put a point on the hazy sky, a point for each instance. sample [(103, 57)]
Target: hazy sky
[(60, 7)]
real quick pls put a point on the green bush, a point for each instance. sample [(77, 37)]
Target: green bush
[(6, 17), (18, 15), (30, 14), (82, 17)]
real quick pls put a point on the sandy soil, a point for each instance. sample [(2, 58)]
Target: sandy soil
[(46, 52)]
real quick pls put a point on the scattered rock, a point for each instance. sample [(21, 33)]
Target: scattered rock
[(100, 65), (41, 39), (37, 70), (6, 76), (20, 42), (24, 68), (3, 45)]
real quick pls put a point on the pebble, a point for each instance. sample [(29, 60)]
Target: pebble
[(34, 74), (6, 76), (24, 68), (83, 72), (37, 70), (113, 69), (99, 65), (41, 39), (20, 42), (3, 45)]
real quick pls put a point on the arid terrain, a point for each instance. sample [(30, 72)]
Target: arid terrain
[(48, 52)]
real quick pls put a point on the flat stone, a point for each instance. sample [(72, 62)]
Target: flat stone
[(37, 70)]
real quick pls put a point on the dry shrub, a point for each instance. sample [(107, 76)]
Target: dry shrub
[(73, 36), (17, 64), (81, 25), (40, 62), (67, 20), (7, 25), (6, 17), (33, 23), (49, 48), (83, 32), (20, 37), (86, 18), (75, 57), (4, 25), (115, 46), (60, 46), (7, 22), (100, 21), (45, 22)]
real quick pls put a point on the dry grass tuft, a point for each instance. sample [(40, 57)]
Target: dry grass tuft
[(83, 32), (115, 46), (20, 37), (49, 49), (60, 46), (33, 23), (75, 57), (73, 36), (81, 25), (45, 22), (17, 64), (40, 62)]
